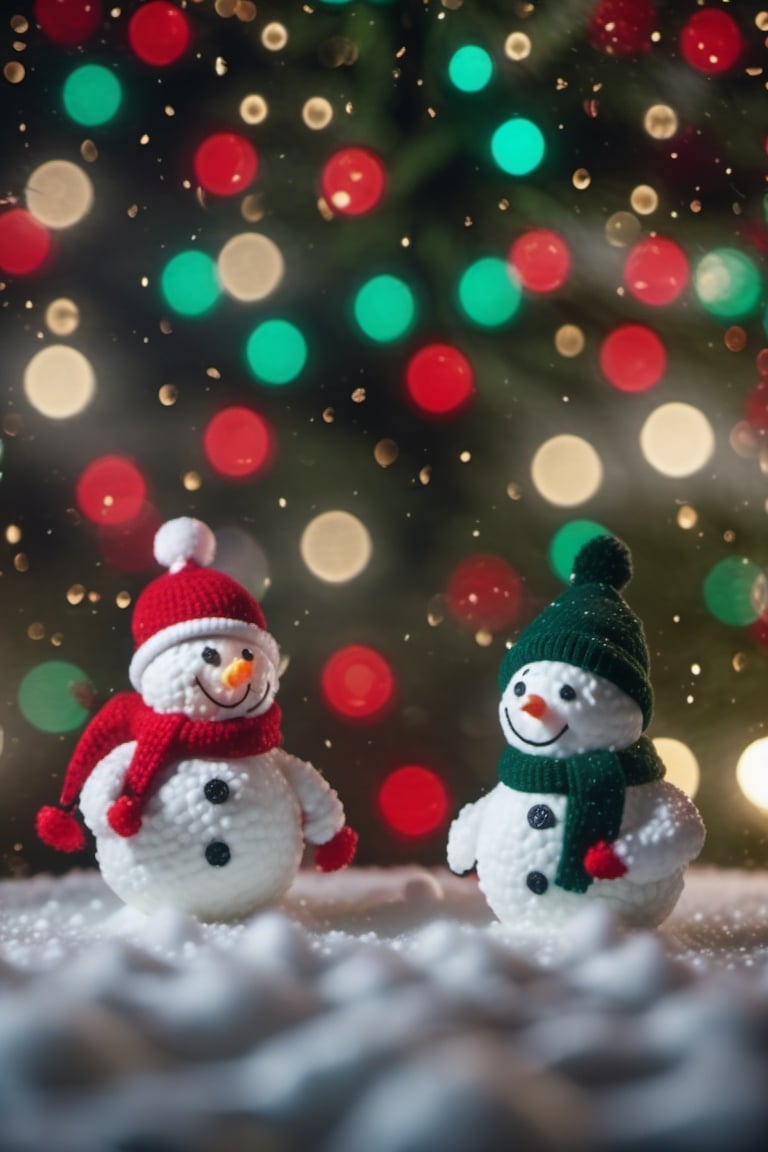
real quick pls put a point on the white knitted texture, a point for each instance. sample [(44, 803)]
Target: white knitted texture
[(184, 539)]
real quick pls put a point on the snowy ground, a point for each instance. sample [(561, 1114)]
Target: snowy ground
[(381, 1011)]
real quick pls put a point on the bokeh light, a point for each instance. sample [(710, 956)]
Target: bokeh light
[(633, 358), (129, 547), (241, 556), (566, 470), (470, 68), (111, 490), (62, 316), (24, 243), (656, 271), (384, 308), (541, 259), (238, 443), (336, 546), (413, 801), (622, 229), (59, 194), (711, 41), (92, 95), (253, 108), (568, 540), (517, 46), (69, 23), (225, 163), (677, 439), (59, 381), (680, 762), (727, 283), (518, 146), (353, 181), (661, 122), (276, 352), (190, 283), (752, 772), (439, 379), (357, 683), (569, 340), (483, 593), (644, 200), (54, 697), (489, 292), (250, 266), (317, 113), (734, 591), (622, 27), (158, 33)]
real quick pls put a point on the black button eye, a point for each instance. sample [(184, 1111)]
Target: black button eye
[(216, 791), (519, 688), (567, 693), (247, 654), (211, 656)]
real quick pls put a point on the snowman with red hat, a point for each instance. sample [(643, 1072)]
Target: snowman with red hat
[(191, 799)]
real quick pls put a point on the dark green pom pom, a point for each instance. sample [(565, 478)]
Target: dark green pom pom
[(603, 560)]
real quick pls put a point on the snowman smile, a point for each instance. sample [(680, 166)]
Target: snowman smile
[(220, 703), (534, 743)]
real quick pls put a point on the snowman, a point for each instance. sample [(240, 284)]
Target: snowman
[(183, 783), (582, 811)]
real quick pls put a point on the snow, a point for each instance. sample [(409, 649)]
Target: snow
[(381, 1009)]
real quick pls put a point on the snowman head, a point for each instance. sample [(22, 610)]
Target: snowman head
[(202, 646), (216, 677), (550, 708)]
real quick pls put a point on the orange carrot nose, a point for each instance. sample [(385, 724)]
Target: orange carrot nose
[(237, 673), (534, 706)]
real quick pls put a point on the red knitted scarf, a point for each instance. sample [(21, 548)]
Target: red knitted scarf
[(160, 739)]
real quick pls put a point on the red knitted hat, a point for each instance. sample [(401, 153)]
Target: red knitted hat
[(193, 600)]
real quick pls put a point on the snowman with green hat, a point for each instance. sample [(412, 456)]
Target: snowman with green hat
[(582, 810)]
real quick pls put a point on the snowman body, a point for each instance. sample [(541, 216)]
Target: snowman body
[(516, 837), (218, 838)]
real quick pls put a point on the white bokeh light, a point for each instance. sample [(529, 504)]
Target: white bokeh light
[(566, 470), (59, 381), (752, 772), (250, 266), (59, 194), (677, 439), (336, 547), (680, 762)]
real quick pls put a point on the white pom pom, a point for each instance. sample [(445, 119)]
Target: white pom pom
[(184, 539)]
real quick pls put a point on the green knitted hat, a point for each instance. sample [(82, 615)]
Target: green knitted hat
[(591, 626)]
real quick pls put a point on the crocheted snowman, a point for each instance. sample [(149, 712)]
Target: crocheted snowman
[(191, 799), (582, 811)]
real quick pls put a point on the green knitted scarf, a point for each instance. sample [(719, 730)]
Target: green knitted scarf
[(595, 783)]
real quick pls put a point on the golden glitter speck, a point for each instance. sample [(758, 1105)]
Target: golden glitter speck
[(660, 122), (62, 316), (581, 179), (168, 395), (274, 37), (36, 631), (385, 453), (569, 340), (76, 594), (14, 72), (317, 113), (192, 481), (13, 534), (253, 108), (21, 562), (644, 199), (89, 151), (123, 599), (687, 517), (517, 46)]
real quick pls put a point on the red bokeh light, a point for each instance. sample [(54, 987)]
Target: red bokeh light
[(439, 379), (622, 27), (541, 259), (158, 32), (68, 21), (413, 801), (633, 358), (711, 41), (111, 491), (130, 547), (24, 243), (484, 592), (756, 408), (357, 682), (353, 181), (238, 443), (656, 271), (225, 163)]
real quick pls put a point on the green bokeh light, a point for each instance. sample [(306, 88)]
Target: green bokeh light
[(490, 292), (190, 283), (384, 308), (276, 352), (567, 541), (92, 95), (518, 146), (727, 284), (48, 697), (470, 68), (735, 590)]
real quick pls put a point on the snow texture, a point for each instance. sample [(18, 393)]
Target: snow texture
[(381, 1010)]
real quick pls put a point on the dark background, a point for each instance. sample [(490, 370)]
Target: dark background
[(443, 192)]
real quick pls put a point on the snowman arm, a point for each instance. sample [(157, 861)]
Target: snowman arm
[(464, 833), (321, 808), (661, 832)]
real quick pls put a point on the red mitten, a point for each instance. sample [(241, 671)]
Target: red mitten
[(602, 863), (124, 816), (337, 852), (60, 830)]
